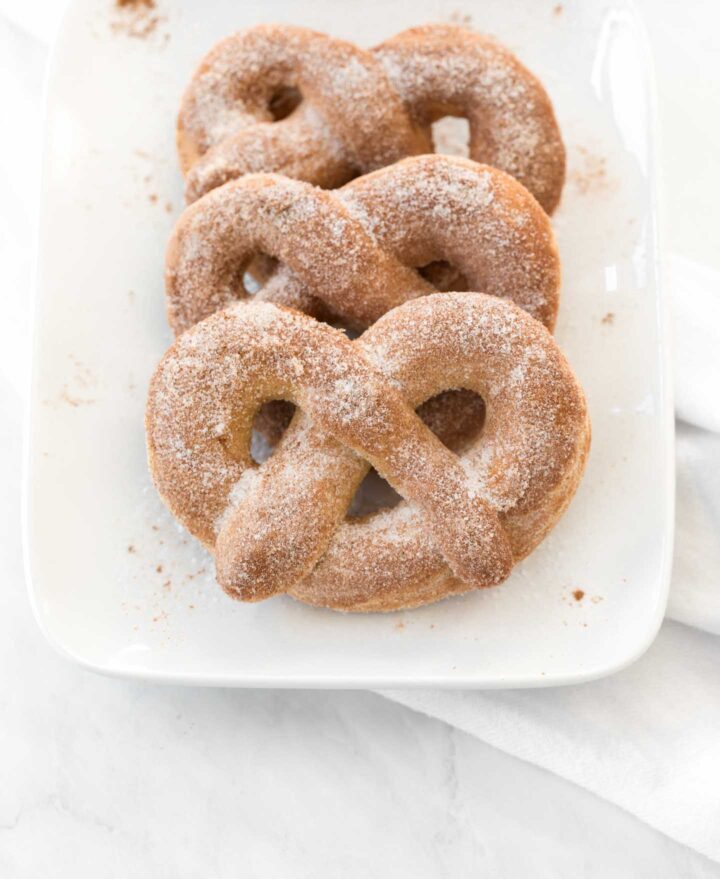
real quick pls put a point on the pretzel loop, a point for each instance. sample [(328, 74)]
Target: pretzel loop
[(350, 121)]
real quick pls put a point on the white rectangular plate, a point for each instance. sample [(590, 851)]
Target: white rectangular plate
[(119, 587)]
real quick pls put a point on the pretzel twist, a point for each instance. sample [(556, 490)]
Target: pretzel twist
[(360, 110), (281, 526)]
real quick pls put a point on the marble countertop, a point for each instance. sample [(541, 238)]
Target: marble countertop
[(108, 777)]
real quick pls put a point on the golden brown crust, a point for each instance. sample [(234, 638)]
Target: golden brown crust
[(362, 110), (282, 527)]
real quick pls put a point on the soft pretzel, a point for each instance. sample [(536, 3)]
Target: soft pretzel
[(282, 527), (357, 249), (360, 110)]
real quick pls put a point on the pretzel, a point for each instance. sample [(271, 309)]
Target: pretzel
[(282, 526), (355, 251), (360, 110)]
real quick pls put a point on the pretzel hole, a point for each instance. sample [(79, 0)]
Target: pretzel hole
[(250, 282), (253, 276), (283, 101), (451, 136), (444, 276), (339, 324), (269, 424), (373, 494), (457, 419)]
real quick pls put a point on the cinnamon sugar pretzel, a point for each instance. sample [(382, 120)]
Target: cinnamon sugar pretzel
[(355, 250), (282, 526), (360, 110)]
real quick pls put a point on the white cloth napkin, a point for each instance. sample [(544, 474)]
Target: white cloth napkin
[(648, 738)]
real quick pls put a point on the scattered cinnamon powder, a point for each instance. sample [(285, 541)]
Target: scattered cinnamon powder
[(558, 10), (66, 398), (399, 626), (75, 393), (578, 595), (131, 549), (159, 569), (609, 318), (591, 174), (464, 19), (136, 18)]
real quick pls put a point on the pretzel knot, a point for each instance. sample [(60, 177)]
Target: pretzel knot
[(282, 526), (276, 98)]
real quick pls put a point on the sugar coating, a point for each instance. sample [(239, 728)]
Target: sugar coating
[(356, 251), (363, 109), (464, 520)]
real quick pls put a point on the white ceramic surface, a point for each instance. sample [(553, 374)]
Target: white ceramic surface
[(118, 587)]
